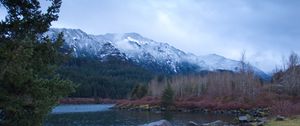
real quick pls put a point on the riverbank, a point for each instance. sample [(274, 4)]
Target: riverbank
[(242, 113), (278, 121), (262, 107), (257, 112), (269, 106)]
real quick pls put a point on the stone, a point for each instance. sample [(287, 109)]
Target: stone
[(247, 124), (280, 118), (264, 119), (244, 119), (157, 112), (262, 114), (260, 123), (191, 123), (215, 123), (158, 123), (146, 107)]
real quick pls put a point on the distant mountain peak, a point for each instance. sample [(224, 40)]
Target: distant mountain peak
[(145, 52)]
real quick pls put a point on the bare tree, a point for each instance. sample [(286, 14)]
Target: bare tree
[(214, 85), (291, 76), (243, 62), (293, 60)]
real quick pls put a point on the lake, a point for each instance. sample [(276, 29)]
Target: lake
[(102, 115)]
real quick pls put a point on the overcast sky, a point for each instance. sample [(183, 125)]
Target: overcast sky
[(266, 29)]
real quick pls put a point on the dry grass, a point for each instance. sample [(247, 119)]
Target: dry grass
[(289, 122)]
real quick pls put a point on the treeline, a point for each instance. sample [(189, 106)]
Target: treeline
[(112, 78), (117, 78), (282, 94), (222, 85), (243, 84)]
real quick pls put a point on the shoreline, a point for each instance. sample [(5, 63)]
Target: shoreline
[(153, 104), (196, 104), (243, 114)]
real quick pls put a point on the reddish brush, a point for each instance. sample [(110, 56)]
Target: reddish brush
[(286, 108)]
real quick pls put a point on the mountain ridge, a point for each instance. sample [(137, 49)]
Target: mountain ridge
[(145, 52)]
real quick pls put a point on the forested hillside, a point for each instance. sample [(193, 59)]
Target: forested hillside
[(113, 78)]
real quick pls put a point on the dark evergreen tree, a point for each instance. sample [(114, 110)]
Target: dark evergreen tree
[(167, 98), (113, 78), (138, 92), (29, 85)]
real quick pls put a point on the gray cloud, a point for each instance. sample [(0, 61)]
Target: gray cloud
[(266, 29)]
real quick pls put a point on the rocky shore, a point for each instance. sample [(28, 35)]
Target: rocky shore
[(190, 123), (243, 121), (243, 117), (254, 112)]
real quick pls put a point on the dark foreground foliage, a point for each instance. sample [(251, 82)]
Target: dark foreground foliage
[(29, 85)]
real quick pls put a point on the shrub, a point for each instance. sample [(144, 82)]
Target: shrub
[(138, 92), (167, 98)]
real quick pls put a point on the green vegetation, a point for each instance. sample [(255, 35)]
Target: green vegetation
[(138, 92), (29, 85), (112, 78), (167, 98)]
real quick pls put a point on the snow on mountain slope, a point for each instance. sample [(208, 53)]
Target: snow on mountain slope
[(84, 44), (141, 49), (219, 62), (144, 51)]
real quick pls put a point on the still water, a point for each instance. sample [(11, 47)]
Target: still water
[(102, 115)]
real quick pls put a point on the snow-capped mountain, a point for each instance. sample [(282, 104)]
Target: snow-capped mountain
[(152, 55)]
